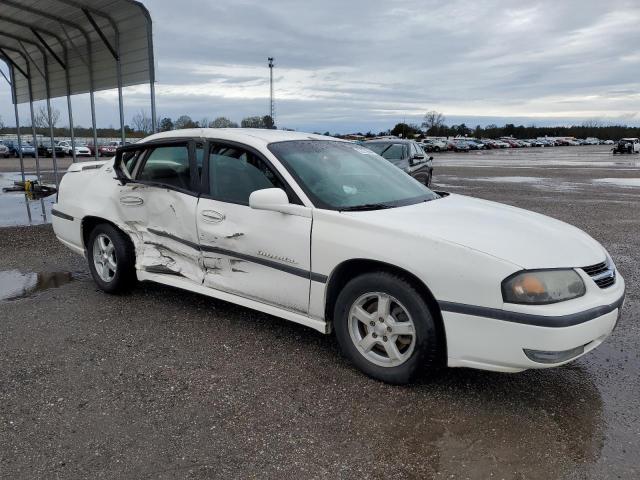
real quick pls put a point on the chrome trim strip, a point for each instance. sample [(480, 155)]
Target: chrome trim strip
[(59, 214), (550, 321), (316, 277)]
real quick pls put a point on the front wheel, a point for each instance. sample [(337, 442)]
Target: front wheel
[(385, 327), (111, 258)]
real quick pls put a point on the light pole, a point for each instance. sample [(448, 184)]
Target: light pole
[(272, 104)]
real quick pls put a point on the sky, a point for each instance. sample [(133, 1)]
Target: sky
[(349, 66)]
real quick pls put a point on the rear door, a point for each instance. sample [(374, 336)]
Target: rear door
[(257, 254), (159, 207)]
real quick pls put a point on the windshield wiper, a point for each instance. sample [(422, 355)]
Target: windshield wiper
[(366, 206)]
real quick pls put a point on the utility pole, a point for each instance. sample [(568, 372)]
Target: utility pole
[(272, 104)]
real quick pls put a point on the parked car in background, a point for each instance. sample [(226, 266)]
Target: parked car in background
[(475, 144), (109, 149), (458, 146), (45, 150), (406, 155), (81, 149), (333, 237), (12, 146), (627, 145), (434, 145), (4, 151), (608, 142), (27, 150), (511, 142)]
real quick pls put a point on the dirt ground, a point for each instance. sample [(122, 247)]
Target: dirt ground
[(163, 383)]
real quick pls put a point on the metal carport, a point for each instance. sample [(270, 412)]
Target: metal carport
[(60, 48)]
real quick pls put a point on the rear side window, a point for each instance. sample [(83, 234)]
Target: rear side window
[(168, 166), (235, 173)]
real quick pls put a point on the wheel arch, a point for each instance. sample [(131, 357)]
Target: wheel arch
[(349, 269), (90, 222)]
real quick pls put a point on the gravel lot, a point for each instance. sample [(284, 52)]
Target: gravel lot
[(162, 383)]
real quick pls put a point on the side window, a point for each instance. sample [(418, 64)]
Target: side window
[(169, 166), (393, 152), (235, 173)]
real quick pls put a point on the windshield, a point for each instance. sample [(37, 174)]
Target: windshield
[(345, 176)]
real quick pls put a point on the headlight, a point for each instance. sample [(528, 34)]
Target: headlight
[(540, 287)]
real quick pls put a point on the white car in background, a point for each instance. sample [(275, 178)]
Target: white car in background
[(81, 149), (4, 151), (330, 235)]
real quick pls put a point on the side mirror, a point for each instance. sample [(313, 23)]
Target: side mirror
[(276, 200)]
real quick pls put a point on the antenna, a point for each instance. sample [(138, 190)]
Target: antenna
[(272, 103)]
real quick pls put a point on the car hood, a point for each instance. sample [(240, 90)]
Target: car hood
[(526, 239)]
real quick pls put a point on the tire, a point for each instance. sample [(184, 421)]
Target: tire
[(117, 253), (413, 352), (436, 149)]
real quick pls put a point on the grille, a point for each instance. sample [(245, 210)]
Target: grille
[(602, 274)]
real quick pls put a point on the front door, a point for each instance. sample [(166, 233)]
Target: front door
[(260, 255), (159, 209)]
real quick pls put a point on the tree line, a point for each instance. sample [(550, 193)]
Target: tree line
[(434, 125), (140, 125)]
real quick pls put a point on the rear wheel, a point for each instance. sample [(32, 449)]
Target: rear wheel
[(385, 327), (111, 258)]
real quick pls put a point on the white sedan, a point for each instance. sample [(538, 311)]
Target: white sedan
[(328, 234), (81, 149)]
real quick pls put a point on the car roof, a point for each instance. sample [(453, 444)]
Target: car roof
[(251, 136)]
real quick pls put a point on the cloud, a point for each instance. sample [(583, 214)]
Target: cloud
[(352, 65)]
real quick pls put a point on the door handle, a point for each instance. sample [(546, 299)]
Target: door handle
[(212, 216), (131, 201)]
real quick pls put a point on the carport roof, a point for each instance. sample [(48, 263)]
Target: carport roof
[(83, 39)]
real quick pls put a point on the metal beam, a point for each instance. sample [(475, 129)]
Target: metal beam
[(13, 64), (49, 49), (100, 33), (15, 109)]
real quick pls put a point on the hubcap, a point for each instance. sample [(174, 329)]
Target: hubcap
[(382, 329), (104, 257)]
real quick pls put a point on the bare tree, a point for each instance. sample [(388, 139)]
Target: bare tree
[(223, 122), (252, 122), (41, 117), (433, 119), (1, 123), (141, 122), (592, 123), (184, 121)]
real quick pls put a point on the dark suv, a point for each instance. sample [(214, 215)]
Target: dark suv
[(405, 154)]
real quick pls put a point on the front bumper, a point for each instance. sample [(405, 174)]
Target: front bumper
[(499, 344)]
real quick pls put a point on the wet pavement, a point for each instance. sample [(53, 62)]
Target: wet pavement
[(18, 208), (162, 383)]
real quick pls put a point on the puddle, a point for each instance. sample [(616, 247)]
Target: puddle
[(621, 182), (16, 208), (15, 284)]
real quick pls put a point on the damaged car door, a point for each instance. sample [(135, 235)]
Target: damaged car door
[(158, 204), (260, 255)]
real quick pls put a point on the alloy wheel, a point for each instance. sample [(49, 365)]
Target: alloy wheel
[(382, 329), (104, 257)]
